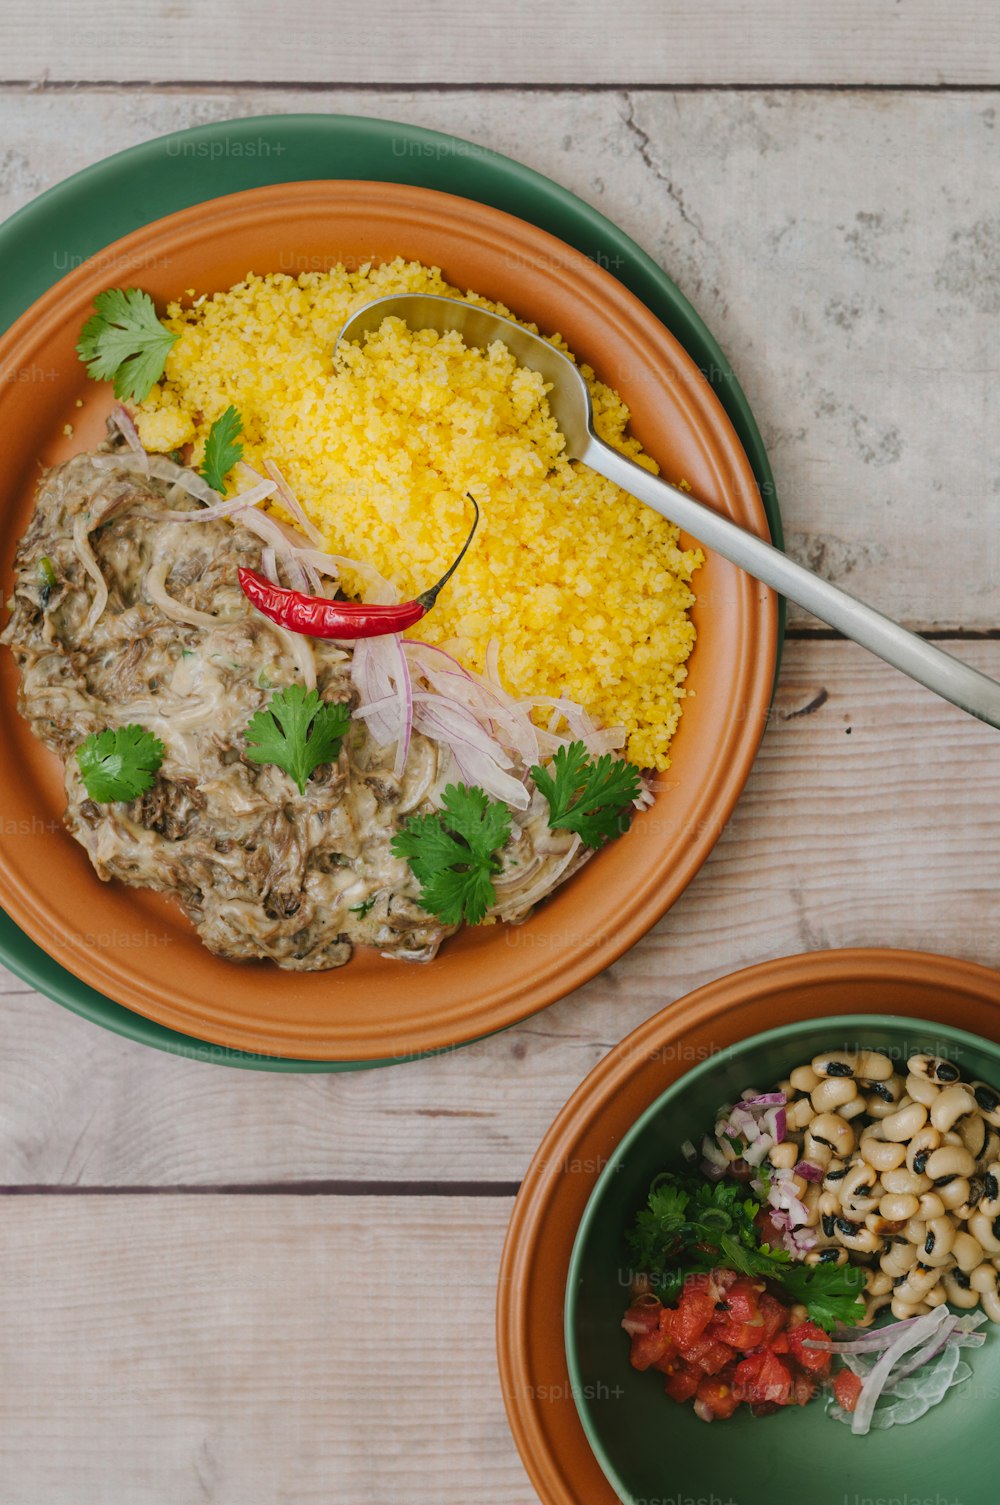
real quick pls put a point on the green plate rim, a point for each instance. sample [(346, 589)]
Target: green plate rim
[(118, 194)]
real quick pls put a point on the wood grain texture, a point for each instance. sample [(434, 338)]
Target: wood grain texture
[(645, 41), (872, 817), (849, 270), (251, 1351)]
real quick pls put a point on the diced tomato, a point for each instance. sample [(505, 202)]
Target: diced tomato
[(846, 1389), (803, 1390), (692, 1315), (649, 1332), (683, 1381), (775, 1315), (812, 1359), (770, 1233), (763, 1377), (709, 1355), (742, 1301), (716, 1399), (742, 1335)]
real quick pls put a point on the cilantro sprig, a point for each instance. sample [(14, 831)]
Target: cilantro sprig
[(592, 798), (124, 342), (691, 1226), (453, 853), (222, 449), (297, 731), (119, 763)]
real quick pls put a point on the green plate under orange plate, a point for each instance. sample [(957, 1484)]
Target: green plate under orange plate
[(79, 218)]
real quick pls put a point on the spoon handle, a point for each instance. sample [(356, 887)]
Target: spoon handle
[(922, 661)]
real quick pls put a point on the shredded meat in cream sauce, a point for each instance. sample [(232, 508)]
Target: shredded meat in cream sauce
[(261, 870)]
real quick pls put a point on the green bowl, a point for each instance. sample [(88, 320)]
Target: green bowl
[(655, 1452)]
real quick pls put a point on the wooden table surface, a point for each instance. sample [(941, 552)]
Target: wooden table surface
[(249, 1289)]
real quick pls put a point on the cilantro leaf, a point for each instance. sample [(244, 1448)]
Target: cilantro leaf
[(691, 1226), (593, 799), (119, 763), (453, 853), (222, 449), (297, 732), (125, 343)]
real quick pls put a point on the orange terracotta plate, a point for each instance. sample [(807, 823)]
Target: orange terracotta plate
[(562, 1175), (136, 947)]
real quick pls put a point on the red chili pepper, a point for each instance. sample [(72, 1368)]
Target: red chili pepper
[(319, 617)]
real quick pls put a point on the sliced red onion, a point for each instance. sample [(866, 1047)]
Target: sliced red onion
[(713, 1172), (689, 1152), (227, 507), (380, 672), (764, 1100), (808, 1171), (130, 434), (902, 1343), (292, 503), (774, 1122), (712, 1153)]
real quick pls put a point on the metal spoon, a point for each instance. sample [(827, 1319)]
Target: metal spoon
[(569, 400)]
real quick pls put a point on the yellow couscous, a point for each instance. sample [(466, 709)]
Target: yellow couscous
[(584, 588)]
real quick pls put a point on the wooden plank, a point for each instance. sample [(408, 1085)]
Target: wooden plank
[(851, 274), (257, 1351), (872, 817), (649, 41)]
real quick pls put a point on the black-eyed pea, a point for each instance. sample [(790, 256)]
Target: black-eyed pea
[(877, 1282), (834, 1131), (903, 1181), (786, 1086), (804, 1079), (810, 1201), (983, 1278), (987, 1231), (856, 1236), (959, 1293), (973, 1130), (953, 1193), (936, 1296), (952, 1136), (919, 1280), (898, 1207), (949, 1106), (939, 1237), (830, 1256), (989, 1202), (815, 1151), (799, 1113), (931, 1206), (784, 1156), (830, 1093), (874, 1305), (880, 1154), (966, 1251), (991, 1149), (987, 1101), (906, 1122), (920, 1148), (898, 1259), (971, 1204), (906, 1309), (990, 1303), (854, 1109), (882, 1097), (860, 1189), (834, 1174), (934, 1068), (870, 1065), (921, 1089), (948, 1161)]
